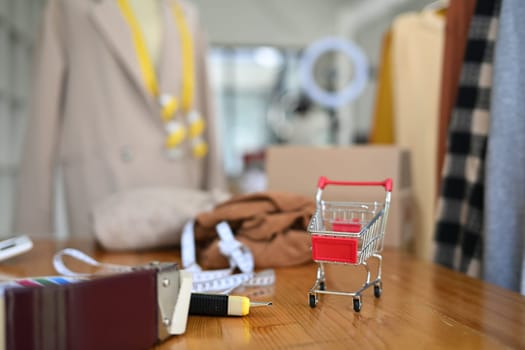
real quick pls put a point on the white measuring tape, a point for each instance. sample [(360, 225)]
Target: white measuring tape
[(60, 266), (223, 280)]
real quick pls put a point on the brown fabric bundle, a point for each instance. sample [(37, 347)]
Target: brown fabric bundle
[(272, 224)]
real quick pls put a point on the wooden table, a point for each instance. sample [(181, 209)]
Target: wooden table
[(423, 306)]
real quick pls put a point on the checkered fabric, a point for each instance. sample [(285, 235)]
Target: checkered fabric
[(459, 220)]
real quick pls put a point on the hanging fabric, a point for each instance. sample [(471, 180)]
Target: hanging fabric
[(417, 51), (382, 131), (504, 239), (175, 129), (460, 205), (459, 14)]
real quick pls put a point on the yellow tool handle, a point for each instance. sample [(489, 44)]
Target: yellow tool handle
[(221, 305)]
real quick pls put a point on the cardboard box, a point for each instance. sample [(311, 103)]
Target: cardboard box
[(297, 168)]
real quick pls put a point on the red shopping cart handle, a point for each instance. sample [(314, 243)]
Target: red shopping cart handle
[(323, 182)]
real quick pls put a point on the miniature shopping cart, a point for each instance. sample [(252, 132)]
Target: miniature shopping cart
[(348, 233)]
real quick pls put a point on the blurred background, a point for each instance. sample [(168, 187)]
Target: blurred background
[(255, 49), (425, 77)]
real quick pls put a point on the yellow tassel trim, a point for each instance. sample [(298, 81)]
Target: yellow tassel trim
[(169, 108), (175, 138), (200, 149), (196, 127)]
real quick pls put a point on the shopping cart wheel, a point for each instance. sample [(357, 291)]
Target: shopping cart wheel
[(357, 304), (322, 286), (312, 300), (378, 289)]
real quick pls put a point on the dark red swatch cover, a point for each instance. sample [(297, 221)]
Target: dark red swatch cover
[(113, 312)]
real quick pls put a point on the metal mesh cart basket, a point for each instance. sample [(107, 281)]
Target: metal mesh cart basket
[(348, 233)]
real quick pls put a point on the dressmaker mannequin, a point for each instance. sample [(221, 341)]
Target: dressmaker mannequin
[(93, 114), (149, 15)]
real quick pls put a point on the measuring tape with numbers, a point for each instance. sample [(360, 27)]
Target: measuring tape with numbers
[(223, 280)]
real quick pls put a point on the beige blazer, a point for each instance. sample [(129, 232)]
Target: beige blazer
[(92, 115)]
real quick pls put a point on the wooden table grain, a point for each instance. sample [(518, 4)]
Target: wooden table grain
[(423, 306)]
